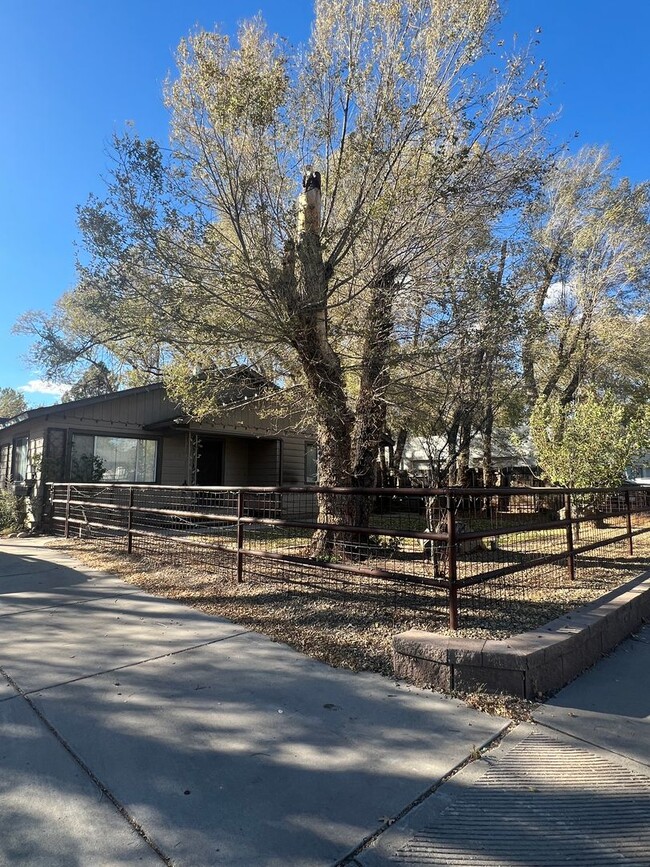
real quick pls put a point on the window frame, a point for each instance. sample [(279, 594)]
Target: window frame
[(72, 432), (14, 454)]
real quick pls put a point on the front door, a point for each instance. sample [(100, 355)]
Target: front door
[(209, 461)]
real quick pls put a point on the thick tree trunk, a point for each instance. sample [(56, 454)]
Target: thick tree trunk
[(348, 441), (370, 422), (334, 438), (307, 315)]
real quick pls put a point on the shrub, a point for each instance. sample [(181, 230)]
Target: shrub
[(12, 510)]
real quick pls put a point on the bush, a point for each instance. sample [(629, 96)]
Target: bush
[(12, 511)]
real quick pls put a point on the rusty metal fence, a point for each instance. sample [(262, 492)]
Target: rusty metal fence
[(454, 548)]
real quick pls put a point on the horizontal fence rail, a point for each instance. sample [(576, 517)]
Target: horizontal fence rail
[(450, 547)]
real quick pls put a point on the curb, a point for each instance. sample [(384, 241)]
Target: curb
[(529, 665)]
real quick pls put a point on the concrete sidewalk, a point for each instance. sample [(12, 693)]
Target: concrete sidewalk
[(136, 730)]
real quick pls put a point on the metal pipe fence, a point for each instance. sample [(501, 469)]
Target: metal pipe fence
[(458, 549)]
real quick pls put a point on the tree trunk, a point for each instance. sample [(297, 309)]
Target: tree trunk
[(398, 452), (489, 476), (307, 314), (348, 442), (488, 465), (462, 461), (370, 423)]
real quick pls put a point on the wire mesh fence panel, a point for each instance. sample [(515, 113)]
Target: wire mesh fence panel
[(473, 555)]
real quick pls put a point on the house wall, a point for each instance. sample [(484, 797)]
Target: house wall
[(293, 460), (35, 431), (247, 461), (247, 420), (256, 448), (30, 495), (120, 416), (5, 463), (173, 460)]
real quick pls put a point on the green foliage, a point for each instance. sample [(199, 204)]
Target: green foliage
[(584, 268), (95, 381), (12, 510), (87, 468), (588, 443), (12, 403)]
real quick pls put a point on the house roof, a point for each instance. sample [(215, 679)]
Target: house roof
[(245, 384), (74, 404)]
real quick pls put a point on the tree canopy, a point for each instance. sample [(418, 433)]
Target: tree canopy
[(373, 221), (591, 442), (206, 256), (12, 402), (96, 380), (585, 264)]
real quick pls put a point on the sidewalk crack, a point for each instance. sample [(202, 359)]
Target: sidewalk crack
[(105, 791), (130, 664)]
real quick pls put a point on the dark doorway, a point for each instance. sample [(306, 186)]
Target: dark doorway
[(209, 461)]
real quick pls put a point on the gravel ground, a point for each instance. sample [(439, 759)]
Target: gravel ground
[(355, 630)]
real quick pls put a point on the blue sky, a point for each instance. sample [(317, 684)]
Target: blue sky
[(75, 71)]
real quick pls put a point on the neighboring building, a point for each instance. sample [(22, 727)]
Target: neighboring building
[(639, 472), (140, 436), (513, 457)]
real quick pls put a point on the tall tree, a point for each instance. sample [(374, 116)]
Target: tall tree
[(95, 381), (586, 259), (409, 142), (463, 376)]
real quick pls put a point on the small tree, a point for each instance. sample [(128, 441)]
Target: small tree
[(95, 381), (12, 510), (87, 468), (590, 442)]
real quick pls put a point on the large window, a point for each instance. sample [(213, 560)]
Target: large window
[(20, 459), (112, 459)]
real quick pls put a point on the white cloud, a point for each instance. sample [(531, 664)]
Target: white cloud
[(41, 386), (560, 294)]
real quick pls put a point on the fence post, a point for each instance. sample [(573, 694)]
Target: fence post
[(240, 537), (129, 523), (451, 559), (67, 512), (571, 563), (628, 512)]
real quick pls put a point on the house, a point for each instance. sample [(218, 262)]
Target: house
[(141, 436), (513, 457), (639, 472)]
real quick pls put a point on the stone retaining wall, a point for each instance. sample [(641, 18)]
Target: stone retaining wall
[(530, 665)]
